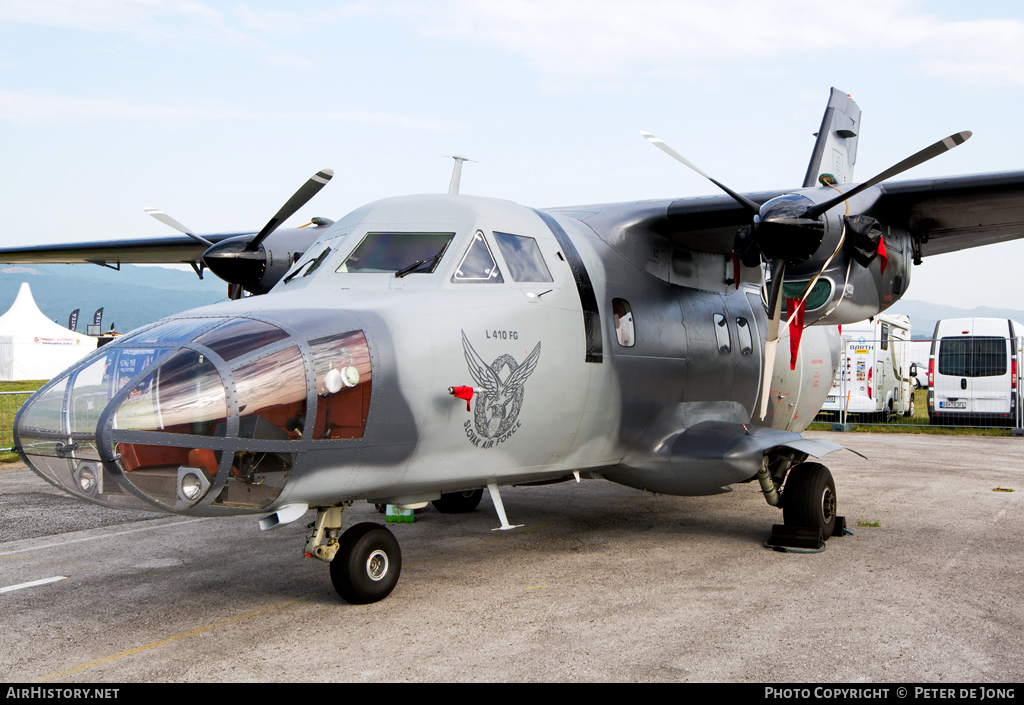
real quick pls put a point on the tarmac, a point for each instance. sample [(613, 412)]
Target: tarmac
[(603, 583)]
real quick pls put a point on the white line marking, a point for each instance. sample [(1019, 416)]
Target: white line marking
[(103, 536), (44, 581)]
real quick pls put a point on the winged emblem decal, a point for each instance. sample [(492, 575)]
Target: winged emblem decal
[(498, 400)]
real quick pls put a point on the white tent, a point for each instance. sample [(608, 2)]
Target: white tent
[(34, 347)]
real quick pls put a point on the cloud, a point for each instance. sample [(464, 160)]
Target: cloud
[(28, 108), (146, 21), (604, 41), (609, 40), (168, 19)]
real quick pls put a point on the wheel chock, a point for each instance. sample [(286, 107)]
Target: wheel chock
[(840, 528), (784, 537)]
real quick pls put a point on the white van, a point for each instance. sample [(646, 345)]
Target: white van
[(875, 376), (973, 373)]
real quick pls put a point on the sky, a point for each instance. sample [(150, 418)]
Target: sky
[(217, 112)]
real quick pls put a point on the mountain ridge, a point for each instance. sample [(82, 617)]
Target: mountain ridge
[(130, 297)]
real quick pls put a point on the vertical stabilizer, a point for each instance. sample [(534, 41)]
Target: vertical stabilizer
[(835, 152)]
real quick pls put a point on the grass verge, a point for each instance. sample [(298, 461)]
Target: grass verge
[(8, 409)]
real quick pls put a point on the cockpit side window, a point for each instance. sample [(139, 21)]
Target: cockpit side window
[(523, 257), (478, 265), (393, 252)]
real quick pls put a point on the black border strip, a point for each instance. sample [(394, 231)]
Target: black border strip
[(588, 299)]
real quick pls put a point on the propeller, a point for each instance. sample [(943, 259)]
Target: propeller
[(242, 262), (787, 230), (300, 198), (168, 220)]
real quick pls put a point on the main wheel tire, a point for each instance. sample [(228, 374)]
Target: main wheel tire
[(367, 565), (458, 502), (809, 498)]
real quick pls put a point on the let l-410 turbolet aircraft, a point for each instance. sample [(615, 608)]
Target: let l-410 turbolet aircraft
[(423, 348)]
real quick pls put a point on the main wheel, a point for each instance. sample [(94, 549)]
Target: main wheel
[(458, 502), (809, 498), (367, 565)]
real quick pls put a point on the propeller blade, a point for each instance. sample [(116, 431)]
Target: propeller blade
[(751, 207), (168, 220), (940, 147), (297, 201), (772, 332)]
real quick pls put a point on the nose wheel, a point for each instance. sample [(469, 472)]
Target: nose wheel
[(809, 498), (367, 565)]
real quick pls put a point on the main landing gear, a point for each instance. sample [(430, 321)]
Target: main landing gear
[(810, 498), (458, 502), (808, 502)]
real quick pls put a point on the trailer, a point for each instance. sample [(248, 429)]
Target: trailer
[(875, 379)]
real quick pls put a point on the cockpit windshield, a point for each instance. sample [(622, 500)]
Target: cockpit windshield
[(393, 252)]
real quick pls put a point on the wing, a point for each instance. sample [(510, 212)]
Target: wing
[(479, 370), (950, 214), (166, 250), (943, 215)]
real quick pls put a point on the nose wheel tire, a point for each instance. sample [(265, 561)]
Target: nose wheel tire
[(809, 498), (458, 502), (367, 565)]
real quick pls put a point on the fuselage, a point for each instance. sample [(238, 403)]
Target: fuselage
[(336, 385)]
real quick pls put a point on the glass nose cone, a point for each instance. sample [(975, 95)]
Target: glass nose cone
[(56, 429)]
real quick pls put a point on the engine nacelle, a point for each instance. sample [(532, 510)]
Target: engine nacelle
[(849, 290), (257, 271)]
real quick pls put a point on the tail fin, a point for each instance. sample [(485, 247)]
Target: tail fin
[(835, 152)]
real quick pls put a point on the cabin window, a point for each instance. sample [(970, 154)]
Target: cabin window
[(478, 265), (885, 336), (523, 257), (722, 334), (625, 332), (746, 340), (393, 252)]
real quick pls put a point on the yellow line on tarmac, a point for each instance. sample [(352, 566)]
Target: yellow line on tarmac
[(177, 637)]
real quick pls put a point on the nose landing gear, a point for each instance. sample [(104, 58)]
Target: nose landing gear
[(366, 561), (367, 565)]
